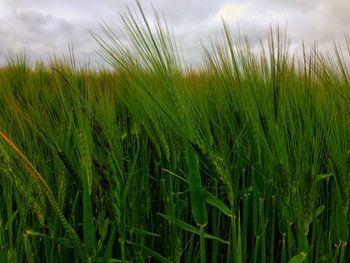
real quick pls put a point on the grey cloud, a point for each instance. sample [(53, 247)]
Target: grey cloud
[(42, 34), (46, 27), (296, 5)]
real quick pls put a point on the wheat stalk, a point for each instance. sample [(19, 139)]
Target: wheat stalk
[(47, 191)]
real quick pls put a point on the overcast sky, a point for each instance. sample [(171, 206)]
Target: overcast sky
[(44, 27)]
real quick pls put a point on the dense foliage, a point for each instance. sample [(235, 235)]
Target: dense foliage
[(243, 159)]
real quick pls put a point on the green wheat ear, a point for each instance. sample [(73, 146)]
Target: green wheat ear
[(4, 160), (4, 165), (5, 169), (47, 191)]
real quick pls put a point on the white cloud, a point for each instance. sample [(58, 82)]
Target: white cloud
[(232, 11), (44, 27)]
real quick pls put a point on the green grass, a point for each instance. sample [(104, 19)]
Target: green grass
[(242, 159)]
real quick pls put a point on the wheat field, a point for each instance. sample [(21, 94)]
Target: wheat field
[(244, 158)]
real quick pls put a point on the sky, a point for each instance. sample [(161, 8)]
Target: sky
[(41, 28)]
